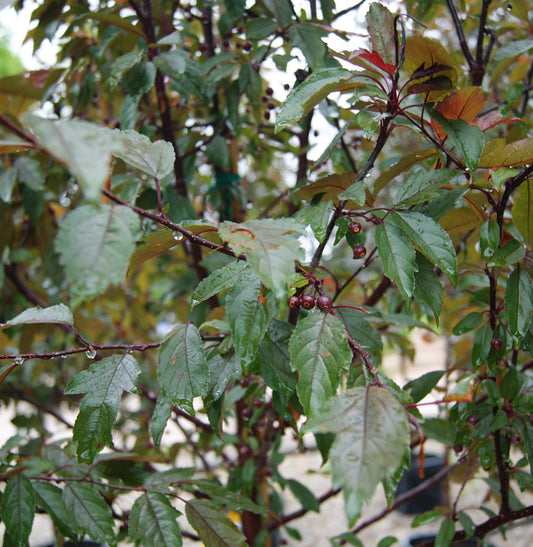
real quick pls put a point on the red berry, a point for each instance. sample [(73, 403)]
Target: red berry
[(247, 45), (457, 448), (245, 382), (258, 403), (267, 115), (308, 301), (324, 303), (359, 251), (247, 412), (355, 227), (294, 302), (472, 420), (496, 344), (269, 91), (515, 439)]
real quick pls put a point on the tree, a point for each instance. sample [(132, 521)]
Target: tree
[(154, 278)]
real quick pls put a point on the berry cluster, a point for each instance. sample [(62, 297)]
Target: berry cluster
[(308, 302)]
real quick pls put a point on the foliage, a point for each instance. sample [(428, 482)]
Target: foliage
[(163, 323)]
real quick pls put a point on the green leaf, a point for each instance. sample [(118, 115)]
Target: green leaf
[(162, 410), (481, 347), (308, 38), (58, 314), (282, 10), (18, 508), (275, 358), (248, 314), (319, 351), (422, 386), (523, 211), (139, 79), (7, 183), (445, 533), (76, 144), (355, 192), (317, 217), (423, 186), (309, 93), (223, 369), (260, 28), (218, 281), (250, 83), (365, 334), (430, 239), (440, 430), (306, 498), (154, 158), (512, 49), (224, 497), (271, 247), (172, 63), (89, 511), (500, 153), (489, 239), (103, 383), (218, 153), (398, 256), (235, 8), (380, 24), (29, 172), (153, 522), (94, 246), (387, 541), (50, 498), (182, 371), (427, 286), (121, 65), (213, 526), (510, 253), (466, 138), (519, 303), (467, 524), (468, 323), (372, 436)]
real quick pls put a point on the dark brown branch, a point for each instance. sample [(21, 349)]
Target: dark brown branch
[(503, 474), (511, 184), (17, 130), (147, 21), (527, 89)]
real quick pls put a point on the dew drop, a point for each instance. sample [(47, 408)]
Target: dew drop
[(194, 302), (18, 360), (178, 236), (90, 353)]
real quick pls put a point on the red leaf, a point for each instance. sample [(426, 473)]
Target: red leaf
[(376, 60), (463, 104)]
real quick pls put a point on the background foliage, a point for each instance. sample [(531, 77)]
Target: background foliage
[(174, 261)]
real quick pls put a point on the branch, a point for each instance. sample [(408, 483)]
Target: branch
[(511, 184), (194, 238), (503, 474), (15, 129)]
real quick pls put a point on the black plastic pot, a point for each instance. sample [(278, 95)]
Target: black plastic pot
[(429, 498)]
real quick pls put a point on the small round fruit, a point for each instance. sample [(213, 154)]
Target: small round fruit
[(269, 91), (247, 45), (245, 382), (308, 301), (294, 302), (355, 227), (324, 302), (472, 420), (496, 344), (457, 448), (258, 403), (359, 251), (247, 412), (514, 439)]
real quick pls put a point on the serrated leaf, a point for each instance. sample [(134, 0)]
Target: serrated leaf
[(427, 286), (306, 498), (222, 496), (523, 211), (510, 253), (218, 281), (489, 239), (380, 24), (182, 370), (430, 239), (423, 186), (50, 498), (154, 158), (365, 334), (355, 193), (94, 246), (398, 256), (172, 63), (250, 83), (139, 79), (212, 525), (271, 247), (308, 38), (76, 144), (309, 93), (58, 314), (519, 303), (372, 436), (18, 508), (462, 104), (150, 246), (103, 383), (512, 49), (152, 521), (162, 410), (468, 323), (248, 314), (160, 481), (319, 352), (91, 514), (498, 153), (223, 369), (316, 217), (422, 386)]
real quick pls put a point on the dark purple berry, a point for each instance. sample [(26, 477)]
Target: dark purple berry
[(359, 251), (514, 439), (324, 303), (294, 302), (355, 227), (258, 403), (457, 448), (247, 412), (472, 420), (496, 344), (308, 301)]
